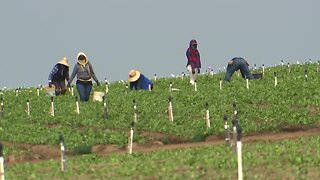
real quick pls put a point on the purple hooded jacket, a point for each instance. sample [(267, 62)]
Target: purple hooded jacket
[(193, 55)]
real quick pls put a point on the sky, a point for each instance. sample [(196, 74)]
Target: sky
[(151, 36)]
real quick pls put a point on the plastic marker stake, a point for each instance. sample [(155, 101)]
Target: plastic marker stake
[(234, 132), (247, 83), (263, 69), (306, 74), (107, 85), (1, 163), (130, 139), (207, 115), (170, 87), (1, 107), (195, 86), (255, 66), (281, 62), (149, 87), (155, 77), (135, 114), (235, 112), (220, 84), (318, 66), (77, 106), (289, 70), (170, 109), (275, 79), (226, 129), (127, 89), (52, 107), (63, 153), (72, 94), (38, 92), (17, 92), (239, 152), (28, 107)]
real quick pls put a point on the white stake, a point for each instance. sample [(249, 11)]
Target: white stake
[(239, 151), (220, 83), (77, 106), (275, 79), (247, 83), (226, 129), (281, 62), (170, 87), (52, 107), (130, 142), (28, 107), (207, 115), (1, 107), (170, 110), (72, 94), (149, 87), (234, 139), (239, 154), (263, 70), (135, 115), (63, 154), (2, 177), (17, 92), (38, 92), (107, 86), (195, 86), (155, 77), (289, 67)]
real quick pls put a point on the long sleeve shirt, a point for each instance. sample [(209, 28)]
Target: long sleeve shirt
[(84, 73)]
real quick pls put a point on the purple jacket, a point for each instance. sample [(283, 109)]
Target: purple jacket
[(193, 55)]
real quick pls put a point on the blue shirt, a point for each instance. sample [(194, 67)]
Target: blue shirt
[(141, 83)]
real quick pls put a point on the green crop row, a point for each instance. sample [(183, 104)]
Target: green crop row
[(295, 101), (289, 159)]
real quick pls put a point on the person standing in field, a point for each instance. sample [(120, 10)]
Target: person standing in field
[(193, 61), (58, 76), (238, 63), (84, 71), (139, 81)]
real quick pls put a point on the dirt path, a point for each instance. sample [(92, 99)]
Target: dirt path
[(42, 152)]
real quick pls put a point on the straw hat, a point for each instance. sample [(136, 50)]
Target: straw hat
[(133, 75), (64, 61), (82, 62)]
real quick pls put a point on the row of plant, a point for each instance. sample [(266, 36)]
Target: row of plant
[(294, 101), (288, 159)]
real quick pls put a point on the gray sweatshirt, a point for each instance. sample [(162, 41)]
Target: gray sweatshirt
[(83, 73)]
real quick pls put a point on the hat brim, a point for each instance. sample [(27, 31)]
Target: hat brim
[(63, 62), (134, 78)]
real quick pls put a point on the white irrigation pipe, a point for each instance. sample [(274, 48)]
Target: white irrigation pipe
[(247, 81), (170, 110), (130, 142), (52, 107), (135, 115), (107, 86), (207, 115), (275, 79), (28, 107), (63, 154), (239, 152), (226, 129), (1, 163), (77, 106)]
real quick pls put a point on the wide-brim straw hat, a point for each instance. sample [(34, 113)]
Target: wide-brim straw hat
[(133, 75), (64, 61), (83, 62)]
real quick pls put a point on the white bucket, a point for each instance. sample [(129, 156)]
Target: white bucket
[(98, 96)]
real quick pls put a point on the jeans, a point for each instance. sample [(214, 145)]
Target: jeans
[(238, 63), (84, 91)]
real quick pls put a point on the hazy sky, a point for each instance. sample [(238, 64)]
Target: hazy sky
[(150, 35)]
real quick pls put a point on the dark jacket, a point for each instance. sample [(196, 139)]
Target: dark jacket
[(193, 55), (59, 73)]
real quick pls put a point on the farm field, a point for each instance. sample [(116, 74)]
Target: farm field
[(266, 112)]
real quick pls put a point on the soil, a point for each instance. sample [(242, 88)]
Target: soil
[(159, 141)]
